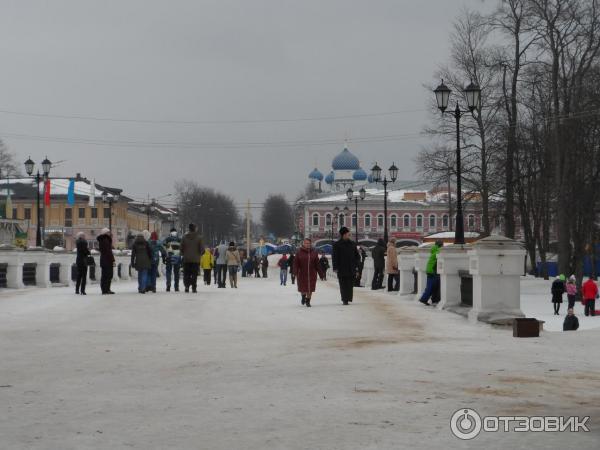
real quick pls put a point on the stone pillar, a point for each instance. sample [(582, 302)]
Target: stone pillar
[(66, 260), (14, 266), (41, 259), (421, 257), (367, 273), (406, 266), (124, 261), (451, 259), (496, 264)]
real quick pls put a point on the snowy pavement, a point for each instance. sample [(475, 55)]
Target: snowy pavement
[(251, 369)]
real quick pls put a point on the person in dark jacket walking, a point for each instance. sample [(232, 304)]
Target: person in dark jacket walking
[(158, 253), (291, 266), (324, 265), (256, 263), (283, 264), (83, 252), (571, 322), (141, 260), (191, 251), (172, 245), (558, 289), (378, 254), (264, 265), (107, 260), (345, 263), (307, 267)]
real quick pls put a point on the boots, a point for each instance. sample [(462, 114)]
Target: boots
[(308, 302), (303, 299)]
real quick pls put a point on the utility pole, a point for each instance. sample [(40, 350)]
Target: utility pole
[(248, 229)]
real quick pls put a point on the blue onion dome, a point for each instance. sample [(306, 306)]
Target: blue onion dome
[(370, 178), (315, 175), (330, 178), (345, 161), (359, 175)]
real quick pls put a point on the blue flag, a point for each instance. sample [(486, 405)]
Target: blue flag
[(71, 193)]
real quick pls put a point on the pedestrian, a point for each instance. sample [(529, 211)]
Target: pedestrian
[(249, 266), (571, 322), (141, 261), (215, 272), (345, 264), (158, 253), (589, 291), (264, 264), (283, 269), (83, 253), (291, 267), (571, 291), (107, 260), (432, 289), (378, 254), (233, 264), (324, 265), (391, 267), (191, 250), (221, 262), (172, 245), (361, 264), (307, 267), (207, 264), (558, 289), (256, 263)]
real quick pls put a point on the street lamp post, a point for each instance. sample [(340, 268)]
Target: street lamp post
[(336, 211), (361, 194), (473, 95), (110, 200), (376, 175), (46, 165)]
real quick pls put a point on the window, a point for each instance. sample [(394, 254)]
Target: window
[(471, 221), (106, 213), (341, 220), (380, 221), (68, 217), (315, 220), (328, 219), (445, 221), (432, 221), (367, 220), (354, 220), (394, 221), (27, 212), (406, 221), (81, 213), (94, 213), (419, 221)]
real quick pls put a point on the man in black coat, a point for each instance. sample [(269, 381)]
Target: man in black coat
[(378, 254), (107, 260), (345, 261)]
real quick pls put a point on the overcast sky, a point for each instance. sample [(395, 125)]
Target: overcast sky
[(212, 64)]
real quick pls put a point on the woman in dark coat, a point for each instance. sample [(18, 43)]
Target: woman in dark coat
[(83, 252), (107, 260), (558, 289), (306, 268), (141, 260)]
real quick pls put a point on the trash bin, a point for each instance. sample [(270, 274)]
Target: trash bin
[(526, 327)]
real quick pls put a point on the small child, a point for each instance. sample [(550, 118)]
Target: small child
[(558, 289), (571, 291), (571, 322)]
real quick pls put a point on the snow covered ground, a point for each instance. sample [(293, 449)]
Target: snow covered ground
[(252, 369)]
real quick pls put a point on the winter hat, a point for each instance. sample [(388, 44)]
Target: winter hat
[(344, 230), (173, 229), (146, 234), (572, 278), (105, 231), (439, 243), (81, 234), (561, 277), (154, 236), (232, 244)]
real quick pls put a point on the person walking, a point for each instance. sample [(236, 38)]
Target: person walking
[(291, 267), (207, 264), (191, 250), (158, 252), (378, 254), (172, 245), (361, 264), (256, 264), (391, 267), (589, 292), (307, 267), (571, 291), (141, 260), (557, 290), (107, 260), (215, 272), (83, 253), (432, 288), (324, 262), (283, 269), (571, 322), (233, 264), (345, 259), (264, 264), (221, 261)]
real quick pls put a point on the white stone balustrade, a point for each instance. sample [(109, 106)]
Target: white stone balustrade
[(422, 254), (406, 267), (451, 259)]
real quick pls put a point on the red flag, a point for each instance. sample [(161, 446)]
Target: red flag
[(47, 193)]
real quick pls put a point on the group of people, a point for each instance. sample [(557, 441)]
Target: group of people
[(84, 259), (587, 294)]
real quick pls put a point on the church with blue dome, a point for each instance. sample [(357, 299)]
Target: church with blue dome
[(345, 173)]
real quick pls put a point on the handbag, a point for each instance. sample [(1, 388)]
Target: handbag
[(89, 261)]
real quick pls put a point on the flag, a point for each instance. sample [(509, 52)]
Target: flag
[(71, 193), (92, 201), (47, 192)]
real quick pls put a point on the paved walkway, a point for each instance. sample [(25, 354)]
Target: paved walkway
[(251, 369)]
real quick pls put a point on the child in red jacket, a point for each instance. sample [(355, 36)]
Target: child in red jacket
[(589, 292)]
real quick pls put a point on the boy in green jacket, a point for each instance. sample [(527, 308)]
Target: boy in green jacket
[(432, 289)]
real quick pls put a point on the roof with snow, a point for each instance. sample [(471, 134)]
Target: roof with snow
[(24, 188)]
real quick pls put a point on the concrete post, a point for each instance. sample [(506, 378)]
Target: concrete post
[(65, 260), (496, 264), (14, 266), (451, 259), (367, 273), (40, 257), (406, 266)]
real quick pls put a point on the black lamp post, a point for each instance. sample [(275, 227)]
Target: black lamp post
[(114, 198), (376, 175), (336, 211), (361, 194), (29, 166), (473, 95)]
